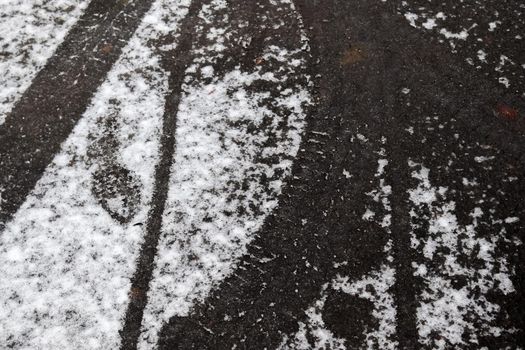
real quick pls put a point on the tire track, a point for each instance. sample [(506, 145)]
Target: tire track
[(375, 84), (50, 108), (69, 251), (239, 126), (175, 62), (314, 234)]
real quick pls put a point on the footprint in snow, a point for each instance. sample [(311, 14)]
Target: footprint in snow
[(116, 188)]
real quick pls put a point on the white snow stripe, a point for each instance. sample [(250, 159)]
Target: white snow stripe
[(66, 262), (30, 32)]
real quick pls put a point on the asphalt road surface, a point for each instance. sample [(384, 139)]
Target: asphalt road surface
[(266, 174)]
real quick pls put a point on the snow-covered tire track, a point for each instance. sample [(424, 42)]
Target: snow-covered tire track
[(310, 238), (391, 84), (174, 58), (172, 216)]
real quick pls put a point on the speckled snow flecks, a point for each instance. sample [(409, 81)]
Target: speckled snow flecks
[(459, 268), (462, 265), (66, 262), (30, 31), (239, 126), (381, 195), (374, 288), (488, 34), (313, 334)]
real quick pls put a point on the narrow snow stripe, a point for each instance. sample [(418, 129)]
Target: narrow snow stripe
[(30, 31), (175, 62), (69, 253), (59, 94)]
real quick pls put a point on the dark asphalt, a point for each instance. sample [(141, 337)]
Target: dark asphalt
[(365, 54), (495, 27), (60, 93)]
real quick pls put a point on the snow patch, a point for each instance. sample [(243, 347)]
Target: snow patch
[(235, 143), (454, 307), (30, 32), (66, 260)]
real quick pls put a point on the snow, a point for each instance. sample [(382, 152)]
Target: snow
[(368, 215), (452, 314), (423, 193), (479, 31), (511, 220), (218, 194), (504, 81), (66, 262), (382, 298), (411, 18), (30, 32), (375, 287), (481, 159), (68, 253), (482, 55), (462, 35), (493, 25), (316, 328), (429, 24)]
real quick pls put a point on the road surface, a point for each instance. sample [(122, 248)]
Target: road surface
[(267, 174)]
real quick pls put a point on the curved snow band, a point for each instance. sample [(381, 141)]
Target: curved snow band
[(70, 250)]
